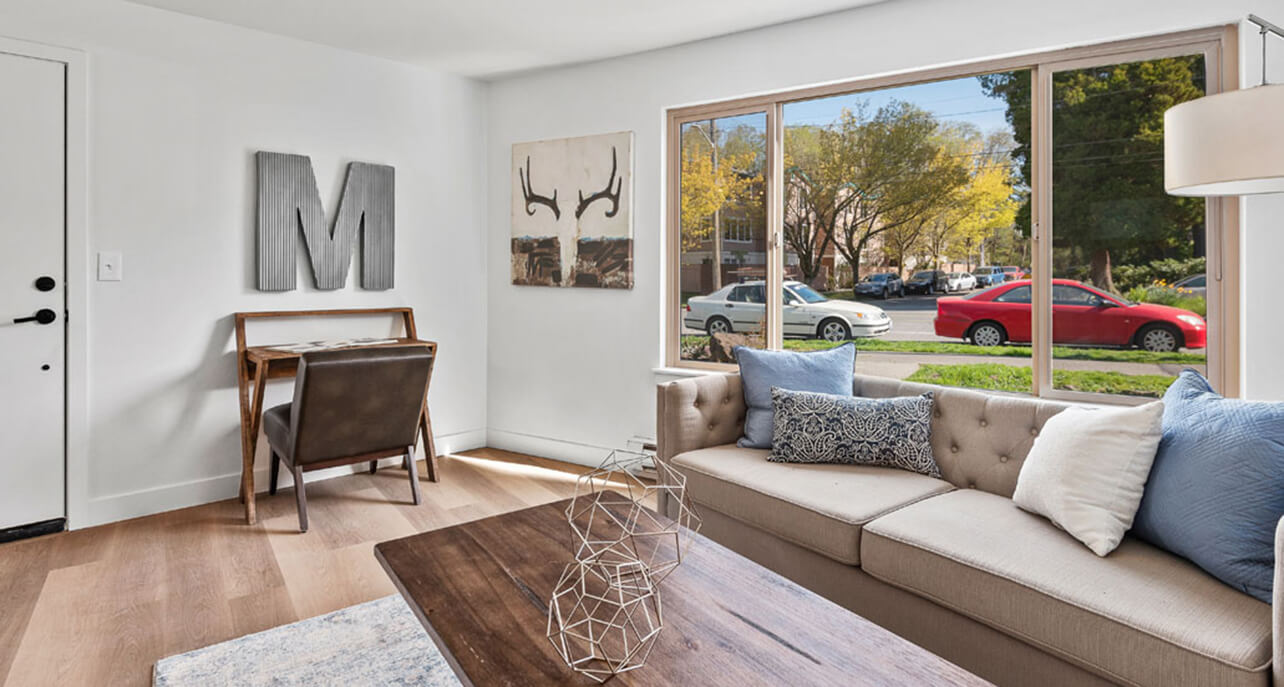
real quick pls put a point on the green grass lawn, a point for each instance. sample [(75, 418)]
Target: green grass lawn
[(1116, 355), (1000, 377)]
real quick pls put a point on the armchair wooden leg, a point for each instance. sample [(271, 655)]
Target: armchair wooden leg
[(414, 475), (276, 472), (301, 498), (374, 465)]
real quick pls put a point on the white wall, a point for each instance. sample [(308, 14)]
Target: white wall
[(571, 370), (177, 108)]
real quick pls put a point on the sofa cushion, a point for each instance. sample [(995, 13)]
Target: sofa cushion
[(824, 428), (820, 507), (1216, 491), (1140, 615), (979, 439), (821, 371)]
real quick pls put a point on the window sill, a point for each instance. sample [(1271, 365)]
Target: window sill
[(677, 372)]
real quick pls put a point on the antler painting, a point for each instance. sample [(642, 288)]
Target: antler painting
[(572, 212)]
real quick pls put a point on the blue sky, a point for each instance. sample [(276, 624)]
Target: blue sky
[(959, 100)]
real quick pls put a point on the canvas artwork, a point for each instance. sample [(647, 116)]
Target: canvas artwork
[(573, 212)]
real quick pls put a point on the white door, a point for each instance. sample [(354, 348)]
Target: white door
[(32, 380)]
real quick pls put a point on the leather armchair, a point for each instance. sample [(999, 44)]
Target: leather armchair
[(350, 406)]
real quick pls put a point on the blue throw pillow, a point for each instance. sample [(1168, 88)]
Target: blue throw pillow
[(1216, 490), (824, 428), (826, 372)]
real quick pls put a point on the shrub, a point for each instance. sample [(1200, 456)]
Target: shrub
[(1168, 270), (1164, 294)]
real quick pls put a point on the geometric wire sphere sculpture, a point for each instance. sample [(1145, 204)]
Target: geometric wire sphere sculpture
[(604, 617), (611, 523)]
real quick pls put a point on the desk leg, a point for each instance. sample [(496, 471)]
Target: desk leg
[(243, 396), (251, 432), (430, 448)]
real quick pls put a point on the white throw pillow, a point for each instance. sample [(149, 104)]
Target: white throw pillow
[(1087, 469)]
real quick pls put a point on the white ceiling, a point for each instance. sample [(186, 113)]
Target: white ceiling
[(489, 38)]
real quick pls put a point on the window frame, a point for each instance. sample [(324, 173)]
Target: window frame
[(1219, 45)]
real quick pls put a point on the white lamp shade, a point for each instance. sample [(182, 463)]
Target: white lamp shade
[(1229, 144)]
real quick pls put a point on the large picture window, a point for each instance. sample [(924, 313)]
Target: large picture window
[(1002, 226)]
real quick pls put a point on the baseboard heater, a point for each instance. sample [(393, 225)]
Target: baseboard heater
[(35, 529)]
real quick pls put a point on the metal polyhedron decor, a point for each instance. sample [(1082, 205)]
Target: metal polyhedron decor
[(610, 522), (604, 617), (605, 612)]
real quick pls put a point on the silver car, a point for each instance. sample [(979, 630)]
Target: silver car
[(960, 281), (808, 314), (1195, 283)]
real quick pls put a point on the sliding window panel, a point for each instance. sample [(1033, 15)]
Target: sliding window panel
[(1129, 262), (722, 236), (904, 228)]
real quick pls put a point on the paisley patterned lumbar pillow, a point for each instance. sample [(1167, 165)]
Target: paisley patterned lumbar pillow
[(824, 428)]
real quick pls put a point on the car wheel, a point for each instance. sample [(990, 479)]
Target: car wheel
[(834, 330), (717, 325), (884, 293), (930, 289), (1159, 338), (901, 292), (988, 334)]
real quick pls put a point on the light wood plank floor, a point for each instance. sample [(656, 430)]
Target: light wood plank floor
[(100, 606)]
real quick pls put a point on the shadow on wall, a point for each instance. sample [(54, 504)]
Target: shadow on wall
[(191, 394)]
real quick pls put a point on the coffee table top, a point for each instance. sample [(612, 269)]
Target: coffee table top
[(481, 589)]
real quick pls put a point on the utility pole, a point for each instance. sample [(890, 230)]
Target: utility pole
[(717, 213)]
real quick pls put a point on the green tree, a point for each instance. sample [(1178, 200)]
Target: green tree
[(900, 173), (819, 174), (1107, 160)]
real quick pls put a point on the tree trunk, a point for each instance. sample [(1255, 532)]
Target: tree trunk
[(854, 261), (1101, 277)]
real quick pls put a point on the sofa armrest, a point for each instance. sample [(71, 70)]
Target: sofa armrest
[(698, 413), (1277, 609)]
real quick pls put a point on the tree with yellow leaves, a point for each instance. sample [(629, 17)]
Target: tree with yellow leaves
[(718, 172)]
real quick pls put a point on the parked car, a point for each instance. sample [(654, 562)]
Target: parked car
[(881, 285), (927, 281), (1195, 283), (960, 281), (1013, 273), (808, 314), (988, 276), (1081, 314)]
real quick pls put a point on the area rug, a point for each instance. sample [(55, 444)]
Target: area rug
[(375, 643)]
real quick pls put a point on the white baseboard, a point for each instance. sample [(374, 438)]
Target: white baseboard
[(105, 509), (579, 453)]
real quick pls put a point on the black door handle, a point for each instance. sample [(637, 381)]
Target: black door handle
[(42, 316)]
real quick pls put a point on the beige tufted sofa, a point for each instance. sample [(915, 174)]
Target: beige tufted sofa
[(952, 564)]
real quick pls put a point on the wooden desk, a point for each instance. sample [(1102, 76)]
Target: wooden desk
[(257, 364), (481, 588)]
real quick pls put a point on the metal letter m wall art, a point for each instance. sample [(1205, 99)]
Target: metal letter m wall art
[(289, 203)]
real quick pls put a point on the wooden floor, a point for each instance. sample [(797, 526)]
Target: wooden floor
[(100, 606)]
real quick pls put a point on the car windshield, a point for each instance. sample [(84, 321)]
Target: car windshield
[(922, 275), (875, 277), (807, 293)]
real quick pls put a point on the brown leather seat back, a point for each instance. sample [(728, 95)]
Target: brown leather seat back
[(357, 401)]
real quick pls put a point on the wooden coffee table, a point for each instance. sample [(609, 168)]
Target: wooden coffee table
[(481, 590)]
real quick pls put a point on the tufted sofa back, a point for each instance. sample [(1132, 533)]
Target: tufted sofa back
[(979, 439)]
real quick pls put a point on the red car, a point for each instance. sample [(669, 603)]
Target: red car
[(1081, 314)]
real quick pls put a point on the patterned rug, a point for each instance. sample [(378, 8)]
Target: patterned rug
[(375, 643)]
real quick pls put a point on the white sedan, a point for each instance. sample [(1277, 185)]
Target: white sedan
[(960, 281), (808, 314)]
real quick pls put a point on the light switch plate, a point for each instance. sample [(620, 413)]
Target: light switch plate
[(110, 266)]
